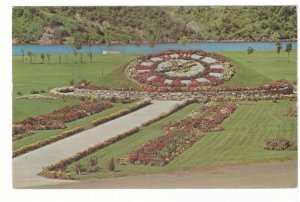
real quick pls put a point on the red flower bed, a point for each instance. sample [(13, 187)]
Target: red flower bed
[(163, 149), (57, 119), (180, 135)]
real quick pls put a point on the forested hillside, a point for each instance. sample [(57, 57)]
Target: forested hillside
[(90, 25)]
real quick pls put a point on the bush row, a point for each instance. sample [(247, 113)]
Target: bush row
[(54, 170), (171, 111), (50, 140), (122, 112)]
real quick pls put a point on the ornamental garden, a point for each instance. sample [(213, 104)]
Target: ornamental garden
[(223, 99)]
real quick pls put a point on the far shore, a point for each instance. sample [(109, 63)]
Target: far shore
[(144, 43)]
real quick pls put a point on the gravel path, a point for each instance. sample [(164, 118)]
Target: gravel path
[(25, 167)]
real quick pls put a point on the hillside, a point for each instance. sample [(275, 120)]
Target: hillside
[(135, 25)]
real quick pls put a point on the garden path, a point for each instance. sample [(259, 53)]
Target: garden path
[(27, 166)]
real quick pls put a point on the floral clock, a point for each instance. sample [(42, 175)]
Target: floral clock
[(180, 68)]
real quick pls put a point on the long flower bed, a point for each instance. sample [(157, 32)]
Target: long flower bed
[(180, 135), (177, 68), (57, 119)]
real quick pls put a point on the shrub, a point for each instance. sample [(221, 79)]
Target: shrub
[(93, 161), (292, 112), (111, 165), (79, 168), (113, 99), (34, 92), (93, 169), (19, 93), (72, 82), (42, 91), (279, 144)]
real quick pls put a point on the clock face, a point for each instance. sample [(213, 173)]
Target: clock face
[(182, 68)]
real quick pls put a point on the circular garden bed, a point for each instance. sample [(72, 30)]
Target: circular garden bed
[(177, 68)]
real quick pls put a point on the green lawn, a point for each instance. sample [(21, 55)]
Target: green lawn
[(261, 67), (240, 142), (36, 76), (85, 122)]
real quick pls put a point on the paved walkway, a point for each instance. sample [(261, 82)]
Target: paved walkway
[(25, 167)]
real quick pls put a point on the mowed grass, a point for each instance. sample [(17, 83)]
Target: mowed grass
[(37, 76), (261, 67), (240, 142), (84, 122)]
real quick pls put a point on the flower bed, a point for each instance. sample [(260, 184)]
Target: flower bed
[(20, 131), (180, 135), (50, 140), (279, 144), (163, 149), (177, 68), (57, 119)]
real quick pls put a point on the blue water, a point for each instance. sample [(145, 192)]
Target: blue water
[(132, 49)]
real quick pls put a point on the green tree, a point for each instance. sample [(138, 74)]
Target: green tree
[(48, 57), (92, 38), (278, 48), (42, 57), (288, 49), (250, 50), (152, 41), (183, 41), (22, 51), (77, 40), (107, 40), (30, 54)]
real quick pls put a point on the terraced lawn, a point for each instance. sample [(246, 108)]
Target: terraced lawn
[(240, 142)]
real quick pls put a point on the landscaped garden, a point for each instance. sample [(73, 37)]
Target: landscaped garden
[(240, 141), (206, 133)]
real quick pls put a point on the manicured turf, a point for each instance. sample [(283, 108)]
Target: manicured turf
[(240, 142), (85, 122), (28, 77), (261, 67)]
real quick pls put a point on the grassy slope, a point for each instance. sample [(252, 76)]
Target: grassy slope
[(240, 142)]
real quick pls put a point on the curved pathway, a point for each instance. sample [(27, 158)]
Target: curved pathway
[(25, 167)]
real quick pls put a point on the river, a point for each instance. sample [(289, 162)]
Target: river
[(133, 49)]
